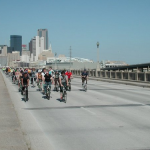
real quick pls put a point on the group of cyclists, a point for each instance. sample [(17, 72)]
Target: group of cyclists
[(43, 77)]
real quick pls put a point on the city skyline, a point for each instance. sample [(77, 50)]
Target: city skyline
[(121, 27)]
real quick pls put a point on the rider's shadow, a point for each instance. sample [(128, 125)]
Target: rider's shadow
[(81, 90), (44, 97), (60, 100)]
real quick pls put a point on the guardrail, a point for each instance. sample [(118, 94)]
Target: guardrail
[(120, 75)]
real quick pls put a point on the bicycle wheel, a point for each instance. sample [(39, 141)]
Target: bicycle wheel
[(85, 87), (48, 94), (70, 87), (24, 95), (65, 97)]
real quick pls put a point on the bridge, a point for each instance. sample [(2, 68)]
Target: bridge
[(108, 116)]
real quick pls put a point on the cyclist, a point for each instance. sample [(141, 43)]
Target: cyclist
[(84, 76), (33, 76), (25, 81), (43, 74), (17, 74), (69, 74), (20, 76), (63, 80), (50, 71), (9, 71), (48, 80), (6, 70), (56, 78), (39, 77), (13, 75)]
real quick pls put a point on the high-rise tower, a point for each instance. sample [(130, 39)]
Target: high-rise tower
[(43, 33), (16, 43)]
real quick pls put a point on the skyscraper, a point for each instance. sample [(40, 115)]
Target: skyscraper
[(16, 43), (43, 33), (36, 46)]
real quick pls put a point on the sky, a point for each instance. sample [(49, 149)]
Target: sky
[(122, 27)]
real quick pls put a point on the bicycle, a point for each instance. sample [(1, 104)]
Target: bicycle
[(16, 81), (69, 82), (48, 92), (33, 79), (56, 86), (84, 85), (64, 94), (13, 79), (20, 87), (39, 83), (25, 93)]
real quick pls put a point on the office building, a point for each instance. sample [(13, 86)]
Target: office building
[(43, 33), (16, 43), (36, 46)]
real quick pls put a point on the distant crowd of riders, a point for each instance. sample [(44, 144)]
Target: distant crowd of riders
[(43, 78)]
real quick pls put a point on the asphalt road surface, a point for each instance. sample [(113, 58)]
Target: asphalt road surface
[(108, 116)]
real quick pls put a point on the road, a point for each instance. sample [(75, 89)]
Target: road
[(108, 116)]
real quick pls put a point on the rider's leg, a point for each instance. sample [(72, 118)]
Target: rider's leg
[(82, 81), (45, 87), (61, 90)]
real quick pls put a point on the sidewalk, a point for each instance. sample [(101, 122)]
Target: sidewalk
[(11, 136), (127, 82)]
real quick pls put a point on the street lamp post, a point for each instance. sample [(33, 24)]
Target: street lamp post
[(55, 60), (98, 67)]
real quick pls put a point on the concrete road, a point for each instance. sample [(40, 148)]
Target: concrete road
[(108, 116)]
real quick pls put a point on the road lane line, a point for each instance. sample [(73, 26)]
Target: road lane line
[(88, 110)]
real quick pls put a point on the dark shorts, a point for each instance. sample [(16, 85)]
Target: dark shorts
[(61, 88)]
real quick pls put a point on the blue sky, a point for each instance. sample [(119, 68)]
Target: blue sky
[(121, 26)]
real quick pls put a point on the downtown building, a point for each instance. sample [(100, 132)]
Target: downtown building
[(36, 46), (16, 43), (43, 33)]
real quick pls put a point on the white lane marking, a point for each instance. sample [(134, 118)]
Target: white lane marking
[(88, 111)]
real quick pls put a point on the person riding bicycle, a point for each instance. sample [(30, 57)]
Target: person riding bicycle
[(20, 76), (43, 74), (48, 80), (17, 74), (39, 77), (56, 78), (13, 75), (84, 76), (63, 80), (25, 82), (33, 76), (69, 75), (51, 72)]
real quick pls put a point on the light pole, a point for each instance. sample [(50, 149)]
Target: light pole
[(98, 67), (70, 59), (55, 60)]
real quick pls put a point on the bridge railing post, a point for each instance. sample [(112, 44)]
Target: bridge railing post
[(128, 76), (121, 75), (115, 74), (110, 74), (145, 76), (136, 76)]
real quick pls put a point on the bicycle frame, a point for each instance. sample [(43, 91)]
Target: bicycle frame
[(85, 85), (48, 92), (25, 93), (64, 94)]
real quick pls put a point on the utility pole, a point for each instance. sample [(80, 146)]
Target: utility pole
[(55, 60), (98, 66), (70, 58)]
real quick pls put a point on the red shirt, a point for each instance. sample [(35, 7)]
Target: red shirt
[(69, 74)]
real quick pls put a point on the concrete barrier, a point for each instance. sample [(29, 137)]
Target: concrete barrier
[(118, 75)]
